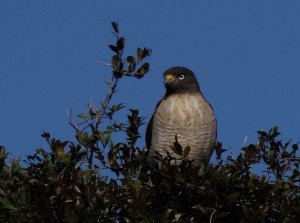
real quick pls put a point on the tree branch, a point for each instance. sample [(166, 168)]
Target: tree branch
[(111, 90)]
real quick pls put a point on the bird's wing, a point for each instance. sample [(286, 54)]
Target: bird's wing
[(216, 119), (149, 133), (149, 127)]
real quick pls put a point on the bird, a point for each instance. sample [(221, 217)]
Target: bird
[(182, 117)]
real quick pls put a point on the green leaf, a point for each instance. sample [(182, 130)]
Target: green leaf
[(7, 204), (136, 185), (85, 116), (117, 107)]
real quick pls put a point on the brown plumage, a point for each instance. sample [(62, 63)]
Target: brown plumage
[(183, 113)]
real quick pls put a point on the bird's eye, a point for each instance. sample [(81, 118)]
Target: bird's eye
[(181, 76)]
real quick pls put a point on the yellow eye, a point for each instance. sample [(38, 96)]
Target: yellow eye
[(181, 76)]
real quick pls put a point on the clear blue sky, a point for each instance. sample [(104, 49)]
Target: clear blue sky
[(246, 55)]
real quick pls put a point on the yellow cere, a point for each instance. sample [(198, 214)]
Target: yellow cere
[(169, 77)]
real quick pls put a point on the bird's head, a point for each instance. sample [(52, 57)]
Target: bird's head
[(180, 80)]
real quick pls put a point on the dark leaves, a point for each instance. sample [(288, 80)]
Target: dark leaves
[(121, 44), (113, 109), (134, 123), (113, 48), (115, 26), (118, 62), (115, 61), (177, 148), (143, 70), (132, 64), (219, 150), (186, 151), (57, 185), (142, 53), (130, 59), (113, 158), (46, 135)]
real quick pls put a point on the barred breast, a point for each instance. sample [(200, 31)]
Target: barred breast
[(189, 117)]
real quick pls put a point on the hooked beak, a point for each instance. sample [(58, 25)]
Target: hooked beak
[(169, 78)]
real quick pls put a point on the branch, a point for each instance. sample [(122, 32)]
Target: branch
[(107, 64), (211, 216), (111, 90), (71, 123)]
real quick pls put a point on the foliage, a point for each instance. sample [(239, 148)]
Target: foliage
[(74, 181)]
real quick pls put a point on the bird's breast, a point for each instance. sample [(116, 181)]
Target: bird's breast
[(190, 118), (183, 111)]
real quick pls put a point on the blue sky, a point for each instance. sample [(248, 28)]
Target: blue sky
[(246, 55)]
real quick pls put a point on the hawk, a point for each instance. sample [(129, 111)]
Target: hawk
[(182, 116)]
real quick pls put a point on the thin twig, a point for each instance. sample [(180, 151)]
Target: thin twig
[(111, 90), (211, 216), (107, 64), (100, 113), (71, 121)]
